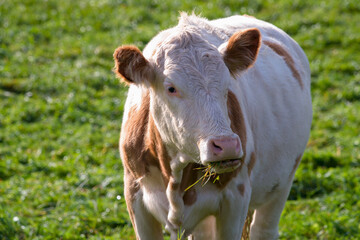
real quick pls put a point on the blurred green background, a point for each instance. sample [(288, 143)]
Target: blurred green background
[(61, 110)]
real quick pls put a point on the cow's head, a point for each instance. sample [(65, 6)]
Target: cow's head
[(189, 79)]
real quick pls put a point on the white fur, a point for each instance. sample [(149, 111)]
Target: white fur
[(277, 114)]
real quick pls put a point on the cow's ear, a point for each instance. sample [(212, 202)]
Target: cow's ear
[(241, 50), (131, 66)]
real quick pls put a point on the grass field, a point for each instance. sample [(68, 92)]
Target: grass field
[(61, 109)]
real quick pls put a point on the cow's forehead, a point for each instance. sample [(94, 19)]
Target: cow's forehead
[(186, 45), (188, 56), (196, 69)]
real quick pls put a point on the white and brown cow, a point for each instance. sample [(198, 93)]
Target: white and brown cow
[(233, 94)]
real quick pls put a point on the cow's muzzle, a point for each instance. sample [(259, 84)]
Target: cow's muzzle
[(223, 154)]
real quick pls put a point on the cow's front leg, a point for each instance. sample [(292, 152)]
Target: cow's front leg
[(267, 217), (174, 196), (145, 225), (176, 204), (205, 230), (233, 211)]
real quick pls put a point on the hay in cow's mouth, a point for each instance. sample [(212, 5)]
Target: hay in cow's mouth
[(215, 168), (208, 173)]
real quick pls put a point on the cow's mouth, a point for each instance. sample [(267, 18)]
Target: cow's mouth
[(227, 165)]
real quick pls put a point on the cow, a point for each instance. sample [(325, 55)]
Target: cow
[(216, 121)]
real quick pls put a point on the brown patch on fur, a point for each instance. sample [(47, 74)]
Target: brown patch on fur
[(141, 144), (237, 126), (237, 119), (158, 149), (296, 164), (242, 50), (130, 62), (288, 59), (131, 188), (190, 174), (190, 197), (251, 163), (241, 188), (132, 136)]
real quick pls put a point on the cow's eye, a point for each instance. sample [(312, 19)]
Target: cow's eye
[(171, 90)]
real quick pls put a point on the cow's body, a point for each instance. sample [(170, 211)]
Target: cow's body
[(267, 109)]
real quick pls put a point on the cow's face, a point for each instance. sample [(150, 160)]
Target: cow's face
[(189, 82)]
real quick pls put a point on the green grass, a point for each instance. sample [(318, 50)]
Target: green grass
[(61, 110)]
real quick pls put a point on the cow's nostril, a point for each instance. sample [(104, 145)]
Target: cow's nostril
[(217, 149), (216, 146)]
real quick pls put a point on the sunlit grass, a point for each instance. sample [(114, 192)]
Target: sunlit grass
[(61, 109)]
